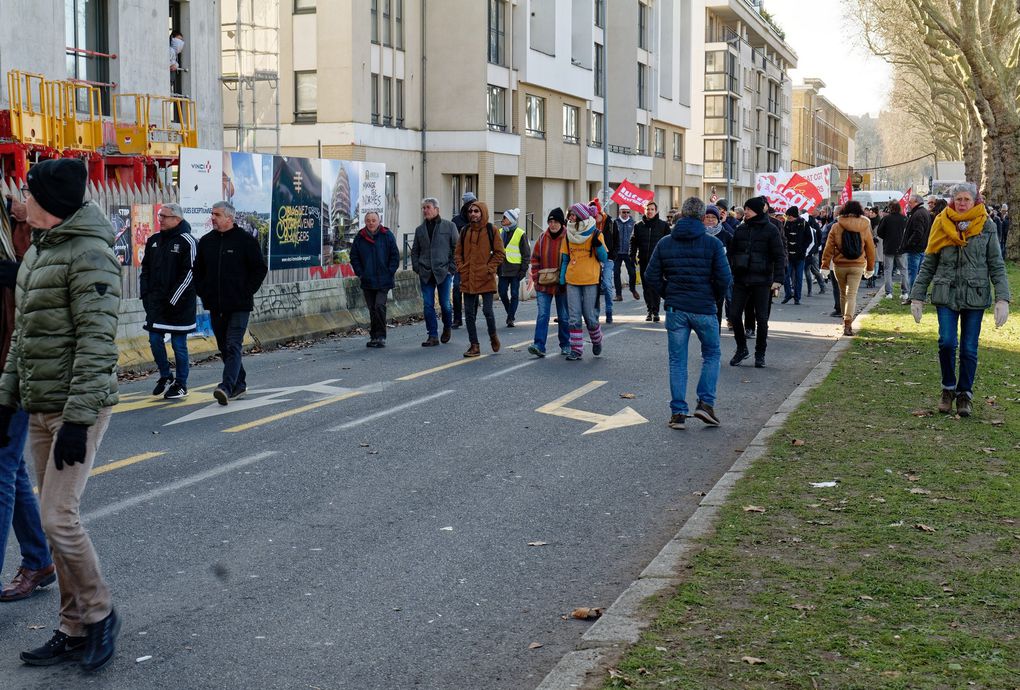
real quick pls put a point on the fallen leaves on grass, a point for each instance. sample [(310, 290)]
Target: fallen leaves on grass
[(752, 660), (924, 528), (586, 613), (919, 490), (753, 509), (803, 607), (798, 442), (921, 413)]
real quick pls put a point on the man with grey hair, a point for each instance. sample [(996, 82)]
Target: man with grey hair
[(432, 259), (915, 240), (689, 269), (167, 289), (229, 268)]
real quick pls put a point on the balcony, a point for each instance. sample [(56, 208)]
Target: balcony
[(721, 34), (722, 82)]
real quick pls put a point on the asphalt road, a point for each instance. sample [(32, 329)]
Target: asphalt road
[(362, 518)]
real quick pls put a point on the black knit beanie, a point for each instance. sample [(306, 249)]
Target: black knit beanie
[(58, 185), (557, 215), (757, 204)]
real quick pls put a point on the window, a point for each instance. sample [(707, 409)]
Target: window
[(720, 71), (660, 143), (305, 96), (644, 17), (400, 102), (642, 86), (642, 140), (596, 129), (497, 108), (392, 208), (375, 21), (375, 99), (570, 124), (600, 13), (600, 67), (86, 29), (497, 31), (301, 6), (386, 12), (398, 25), (715, 158), (678, 146), (387, 101), (535, 117)]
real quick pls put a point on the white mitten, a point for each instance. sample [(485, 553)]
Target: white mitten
[(1001, 313), (916, 306)]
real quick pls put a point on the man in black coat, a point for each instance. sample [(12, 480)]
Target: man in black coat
[(799, 241), (758, 260), (167, 289), (229, 268), (915, 239), (647, 234), (891, 230)]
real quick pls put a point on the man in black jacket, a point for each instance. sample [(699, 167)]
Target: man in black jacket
[(758, 260), (229, 268), (915, 239), (799, 241), (891, 230), (647, 234), (167, 290)]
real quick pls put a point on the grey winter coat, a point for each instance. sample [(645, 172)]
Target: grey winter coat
[(963, 277), (433, 259)]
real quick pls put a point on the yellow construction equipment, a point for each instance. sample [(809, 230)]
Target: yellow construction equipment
[(31, 119), (80, 130), (153, 125)]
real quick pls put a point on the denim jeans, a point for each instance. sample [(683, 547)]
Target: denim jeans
[(581, 305), (179, 342), (428, 297), (545, 302), (607, 286), (229, 327), (914, 260), (621, 261), (811, 269), (471, 313), (510, 295), (891, 263), (794, 279), (969, 323), (18, 507), (679, 325)]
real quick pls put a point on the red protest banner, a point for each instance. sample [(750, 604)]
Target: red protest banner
[(905, 200), (632, 196), (848, 192), (799, 192)]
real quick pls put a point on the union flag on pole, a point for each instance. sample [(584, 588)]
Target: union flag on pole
[(905, 200), (632, 196), (848, 192)]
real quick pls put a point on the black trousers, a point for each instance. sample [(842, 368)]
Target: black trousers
[(652, 298), (471, 313), (760, 296), (836, 306), (229, 327), (375, 300)]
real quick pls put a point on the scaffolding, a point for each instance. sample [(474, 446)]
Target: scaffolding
[(251, 73)]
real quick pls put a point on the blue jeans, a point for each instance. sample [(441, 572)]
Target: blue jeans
[(607, 285), (18, 506), (229, 327), (621, 261), (510, 295), (914, 260), (179, 342), (679, 325), (545, 302), (581, 306), (794, 279), (428, 296), (969, 323)]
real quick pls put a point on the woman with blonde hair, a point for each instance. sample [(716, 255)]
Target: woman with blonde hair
[(962, 263), (850, 249)]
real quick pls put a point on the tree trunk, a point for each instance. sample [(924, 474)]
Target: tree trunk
[(973, 149)]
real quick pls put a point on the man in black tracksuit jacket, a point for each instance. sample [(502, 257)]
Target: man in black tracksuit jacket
[(758, 260), (647, 234), (229, 268), (167, 288)]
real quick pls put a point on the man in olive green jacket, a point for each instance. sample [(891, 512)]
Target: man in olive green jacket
[(62, 370)]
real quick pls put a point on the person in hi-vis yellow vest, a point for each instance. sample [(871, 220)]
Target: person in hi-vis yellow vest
[(515, 265)]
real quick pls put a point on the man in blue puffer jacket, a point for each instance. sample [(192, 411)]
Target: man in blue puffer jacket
[(689, 269), (375, 259)]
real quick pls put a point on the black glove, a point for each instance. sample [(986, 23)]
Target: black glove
[(5, 422), (70, 445)]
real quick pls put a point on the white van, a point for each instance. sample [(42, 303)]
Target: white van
[(877, 197)]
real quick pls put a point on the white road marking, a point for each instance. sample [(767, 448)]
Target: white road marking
[(501, 372), (389, 411)]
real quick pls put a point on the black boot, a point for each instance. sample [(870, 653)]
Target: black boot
[(59, 648), (101, 642)]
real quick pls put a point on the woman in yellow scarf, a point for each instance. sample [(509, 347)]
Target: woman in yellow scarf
[(962, 263)]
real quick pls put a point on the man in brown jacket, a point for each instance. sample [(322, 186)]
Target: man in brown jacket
[(479, 255)]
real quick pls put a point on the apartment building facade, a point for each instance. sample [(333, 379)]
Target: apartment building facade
[(500, 97), (822, 133), (742, 108)]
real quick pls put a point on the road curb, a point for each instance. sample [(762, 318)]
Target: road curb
[(622, 623)]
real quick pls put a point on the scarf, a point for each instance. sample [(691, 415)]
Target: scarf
[(580, 232), (953, 229)]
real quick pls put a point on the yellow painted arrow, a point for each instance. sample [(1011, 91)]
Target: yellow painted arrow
[(625, 417)]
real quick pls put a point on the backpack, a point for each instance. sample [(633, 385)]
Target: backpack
[(852, 246)]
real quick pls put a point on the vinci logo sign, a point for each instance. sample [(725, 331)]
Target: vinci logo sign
[(202, 167)]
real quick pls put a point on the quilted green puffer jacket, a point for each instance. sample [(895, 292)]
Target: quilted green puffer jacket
[(964, 277), (63, 354)]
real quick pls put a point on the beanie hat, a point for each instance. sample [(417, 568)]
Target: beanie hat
[(623, 207), (582, 211), (512, 214), (468, 197), (712, 210), (793, 212), (756, 204), (557, 215), (58, 185)]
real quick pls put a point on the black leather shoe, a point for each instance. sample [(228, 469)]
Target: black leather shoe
[(59, 648), (759, 361), (101, 642), (739, 357)]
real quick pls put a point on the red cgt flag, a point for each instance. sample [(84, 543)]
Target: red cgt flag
[(632, 196), (848, 192), (905, 200)]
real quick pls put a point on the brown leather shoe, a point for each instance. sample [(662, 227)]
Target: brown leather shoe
[(445, 337), (26, 582), (847, 327), (494, 341), (946, 402), (430, 342), (473, 351)]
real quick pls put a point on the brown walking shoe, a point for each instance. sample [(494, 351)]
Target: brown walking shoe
[(946, 402), (494, 341), (473, 351), (26, 582), (963, 406), (847, 327), (445, 337), (430, 342)]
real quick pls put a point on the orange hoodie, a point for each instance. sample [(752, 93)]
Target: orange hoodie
[(833, 253)]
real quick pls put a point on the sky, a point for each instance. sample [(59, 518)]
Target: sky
[(856, 82)]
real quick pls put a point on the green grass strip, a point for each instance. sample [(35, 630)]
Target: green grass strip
[(905, 575)]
